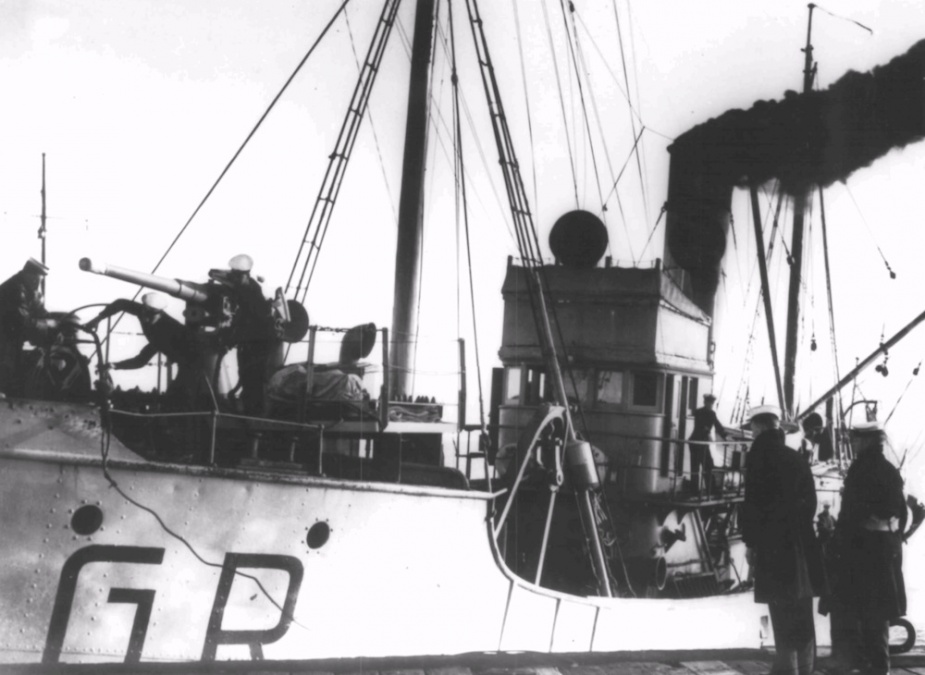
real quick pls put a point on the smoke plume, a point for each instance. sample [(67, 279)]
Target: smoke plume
[(803, 140)]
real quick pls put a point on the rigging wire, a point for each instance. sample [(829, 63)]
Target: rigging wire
[(915, 373), (372, 124), (445, 127), (870, 232), (575, 59), (240, 149), (524, 226), (249, 136), (642, 181), (829, 296), (320, 217), (527, 107), (403, 37), (807, 289), (748, 359), (625, 164), (661, 214), (460, 181), (555, 65), (607, 67), (583, 62)]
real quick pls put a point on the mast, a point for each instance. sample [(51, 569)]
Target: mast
[(42, 229), (766, 293), (411, 204), (796, 249)]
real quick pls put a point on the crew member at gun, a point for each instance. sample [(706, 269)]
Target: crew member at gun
[(705, 421), (165, 335), (22, 317), (254, 334)]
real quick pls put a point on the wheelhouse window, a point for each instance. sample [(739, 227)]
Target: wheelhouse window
[(577, 385), (512, 382), (610, 389), (536, 389), (645, 394), (692, 398)]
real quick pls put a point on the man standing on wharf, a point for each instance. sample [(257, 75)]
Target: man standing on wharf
[(868, 589), (777, 527)]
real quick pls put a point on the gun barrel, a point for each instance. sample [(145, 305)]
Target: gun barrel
[(178, 289)]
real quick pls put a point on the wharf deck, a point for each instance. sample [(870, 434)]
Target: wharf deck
[(707, 662)]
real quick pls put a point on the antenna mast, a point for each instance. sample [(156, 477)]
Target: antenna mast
[(796, 248), (42, 228)]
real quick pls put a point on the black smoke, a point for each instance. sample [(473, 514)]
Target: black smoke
[(803, 140)]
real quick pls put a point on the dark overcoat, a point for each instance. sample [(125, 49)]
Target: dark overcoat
[(777, 521), (21, 306), (867, 570)]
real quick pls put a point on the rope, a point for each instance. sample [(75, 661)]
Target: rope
[(654, 227), (915, 372), (555, 66), (372, 123), (320, 217), (828, 289), (523, 77), (625, 164), (870, 232), (461, 197), (574, 58), (249, 136), (607, 67), (642, 181)]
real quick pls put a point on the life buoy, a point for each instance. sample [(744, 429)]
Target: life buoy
[(910, 636)]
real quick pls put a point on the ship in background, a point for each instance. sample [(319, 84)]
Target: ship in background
[(334, 528)]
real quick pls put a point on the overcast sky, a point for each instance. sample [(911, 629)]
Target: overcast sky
[(139, 105)]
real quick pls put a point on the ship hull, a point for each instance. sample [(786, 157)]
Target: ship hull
[(391, 570)]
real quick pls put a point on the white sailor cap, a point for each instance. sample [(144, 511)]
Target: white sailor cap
[(764, 410), (33, 265), (156, 301), (241, 263), (867, 428)]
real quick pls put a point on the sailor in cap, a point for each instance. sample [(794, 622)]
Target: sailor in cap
[(34, 267), (165, 335), (777, 528), (22, 317), (241, 263), (705, 421), (868, 588), (253, 331), (156, 302)]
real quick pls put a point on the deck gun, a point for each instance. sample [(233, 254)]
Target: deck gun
[(209, 306)]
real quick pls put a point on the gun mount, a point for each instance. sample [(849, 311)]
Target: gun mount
[(210, 304), (206, 304)]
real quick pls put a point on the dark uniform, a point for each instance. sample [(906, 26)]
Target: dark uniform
[(253, 332), (777, 523), (705, 421), (165, 335), (22, 317), (868, 588)]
